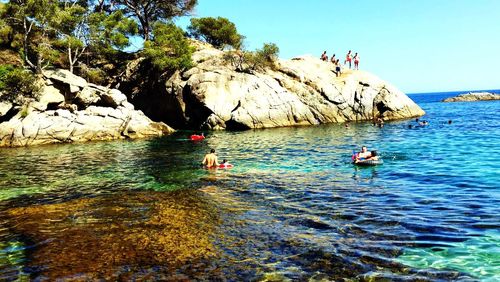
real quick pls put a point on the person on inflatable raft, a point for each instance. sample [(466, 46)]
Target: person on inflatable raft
[(364, 156)]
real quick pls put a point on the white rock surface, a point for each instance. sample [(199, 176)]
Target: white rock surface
[(61, 126), (104, 114), (300, 91), (66, 77), (5, 108)]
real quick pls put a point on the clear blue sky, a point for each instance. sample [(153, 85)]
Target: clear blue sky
[(418, 45)]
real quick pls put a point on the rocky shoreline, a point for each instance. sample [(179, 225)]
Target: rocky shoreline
[(212, 95), (473, 97), (71, 110)]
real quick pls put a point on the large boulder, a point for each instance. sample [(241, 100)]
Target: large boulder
[(49, 96), (300, 91), (114, 98), (94, 123), (86, 97), (65, 76)]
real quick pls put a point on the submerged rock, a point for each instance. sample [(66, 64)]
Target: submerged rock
[(300, 91), (103, 237), (473, 96)]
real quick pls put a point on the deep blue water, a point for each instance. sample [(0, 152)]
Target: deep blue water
[(293, 207)]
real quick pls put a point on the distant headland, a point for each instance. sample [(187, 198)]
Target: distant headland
[(473, 96)]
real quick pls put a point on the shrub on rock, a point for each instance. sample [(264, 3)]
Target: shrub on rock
[(17, 84)]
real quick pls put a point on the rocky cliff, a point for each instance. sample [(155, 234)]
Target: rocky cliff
[(71, 110), (300, 91), (473, 96)]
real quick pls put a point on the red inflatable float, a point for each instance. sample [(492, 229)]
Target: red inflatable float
[(195, 137)]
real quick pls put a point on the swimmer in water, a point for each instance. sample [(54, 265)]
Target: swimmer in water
[(210, 160), (225, 164)]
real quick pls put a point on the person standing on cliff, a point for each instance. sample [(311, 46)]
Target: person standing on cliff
[(338, 71), (324, 57), (332, 59), (356, 61), (348, 58)]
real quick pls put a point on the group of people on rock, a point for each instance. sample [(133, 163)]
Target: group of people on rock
[(349, 59)]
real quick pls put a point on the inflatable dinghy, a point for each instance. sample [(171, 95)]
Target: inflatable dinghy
[(369, 162), (195, 137)]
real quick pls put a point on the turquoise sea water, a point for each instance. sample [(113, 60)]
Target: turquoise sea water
[(293, 207)]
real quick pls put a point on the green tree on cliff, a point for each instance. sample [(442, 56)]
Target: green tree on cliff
[(110, 32), (147, 12), (70, 23), (220, 32), (17, 84), (169, 49), (49, 30), (6, 34), (79, 29), (31, 22)]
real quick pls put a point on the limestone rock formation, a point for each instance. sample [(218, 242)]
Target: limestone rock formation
[(63, 115), (49, 96), (473, 96), (5, 108), (300, 91)]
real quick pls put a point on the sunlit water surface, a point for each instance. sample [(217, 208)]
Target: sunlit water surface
[(293, 207)]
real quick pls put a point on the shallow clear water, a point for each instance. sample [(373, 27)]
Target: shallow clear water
[(293, 207)]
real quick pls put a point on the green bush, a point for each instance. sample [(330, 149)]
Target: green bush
[(17, 84), (169, 50), (260, 59), (93, 75), (219, 32), (4, 70)]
